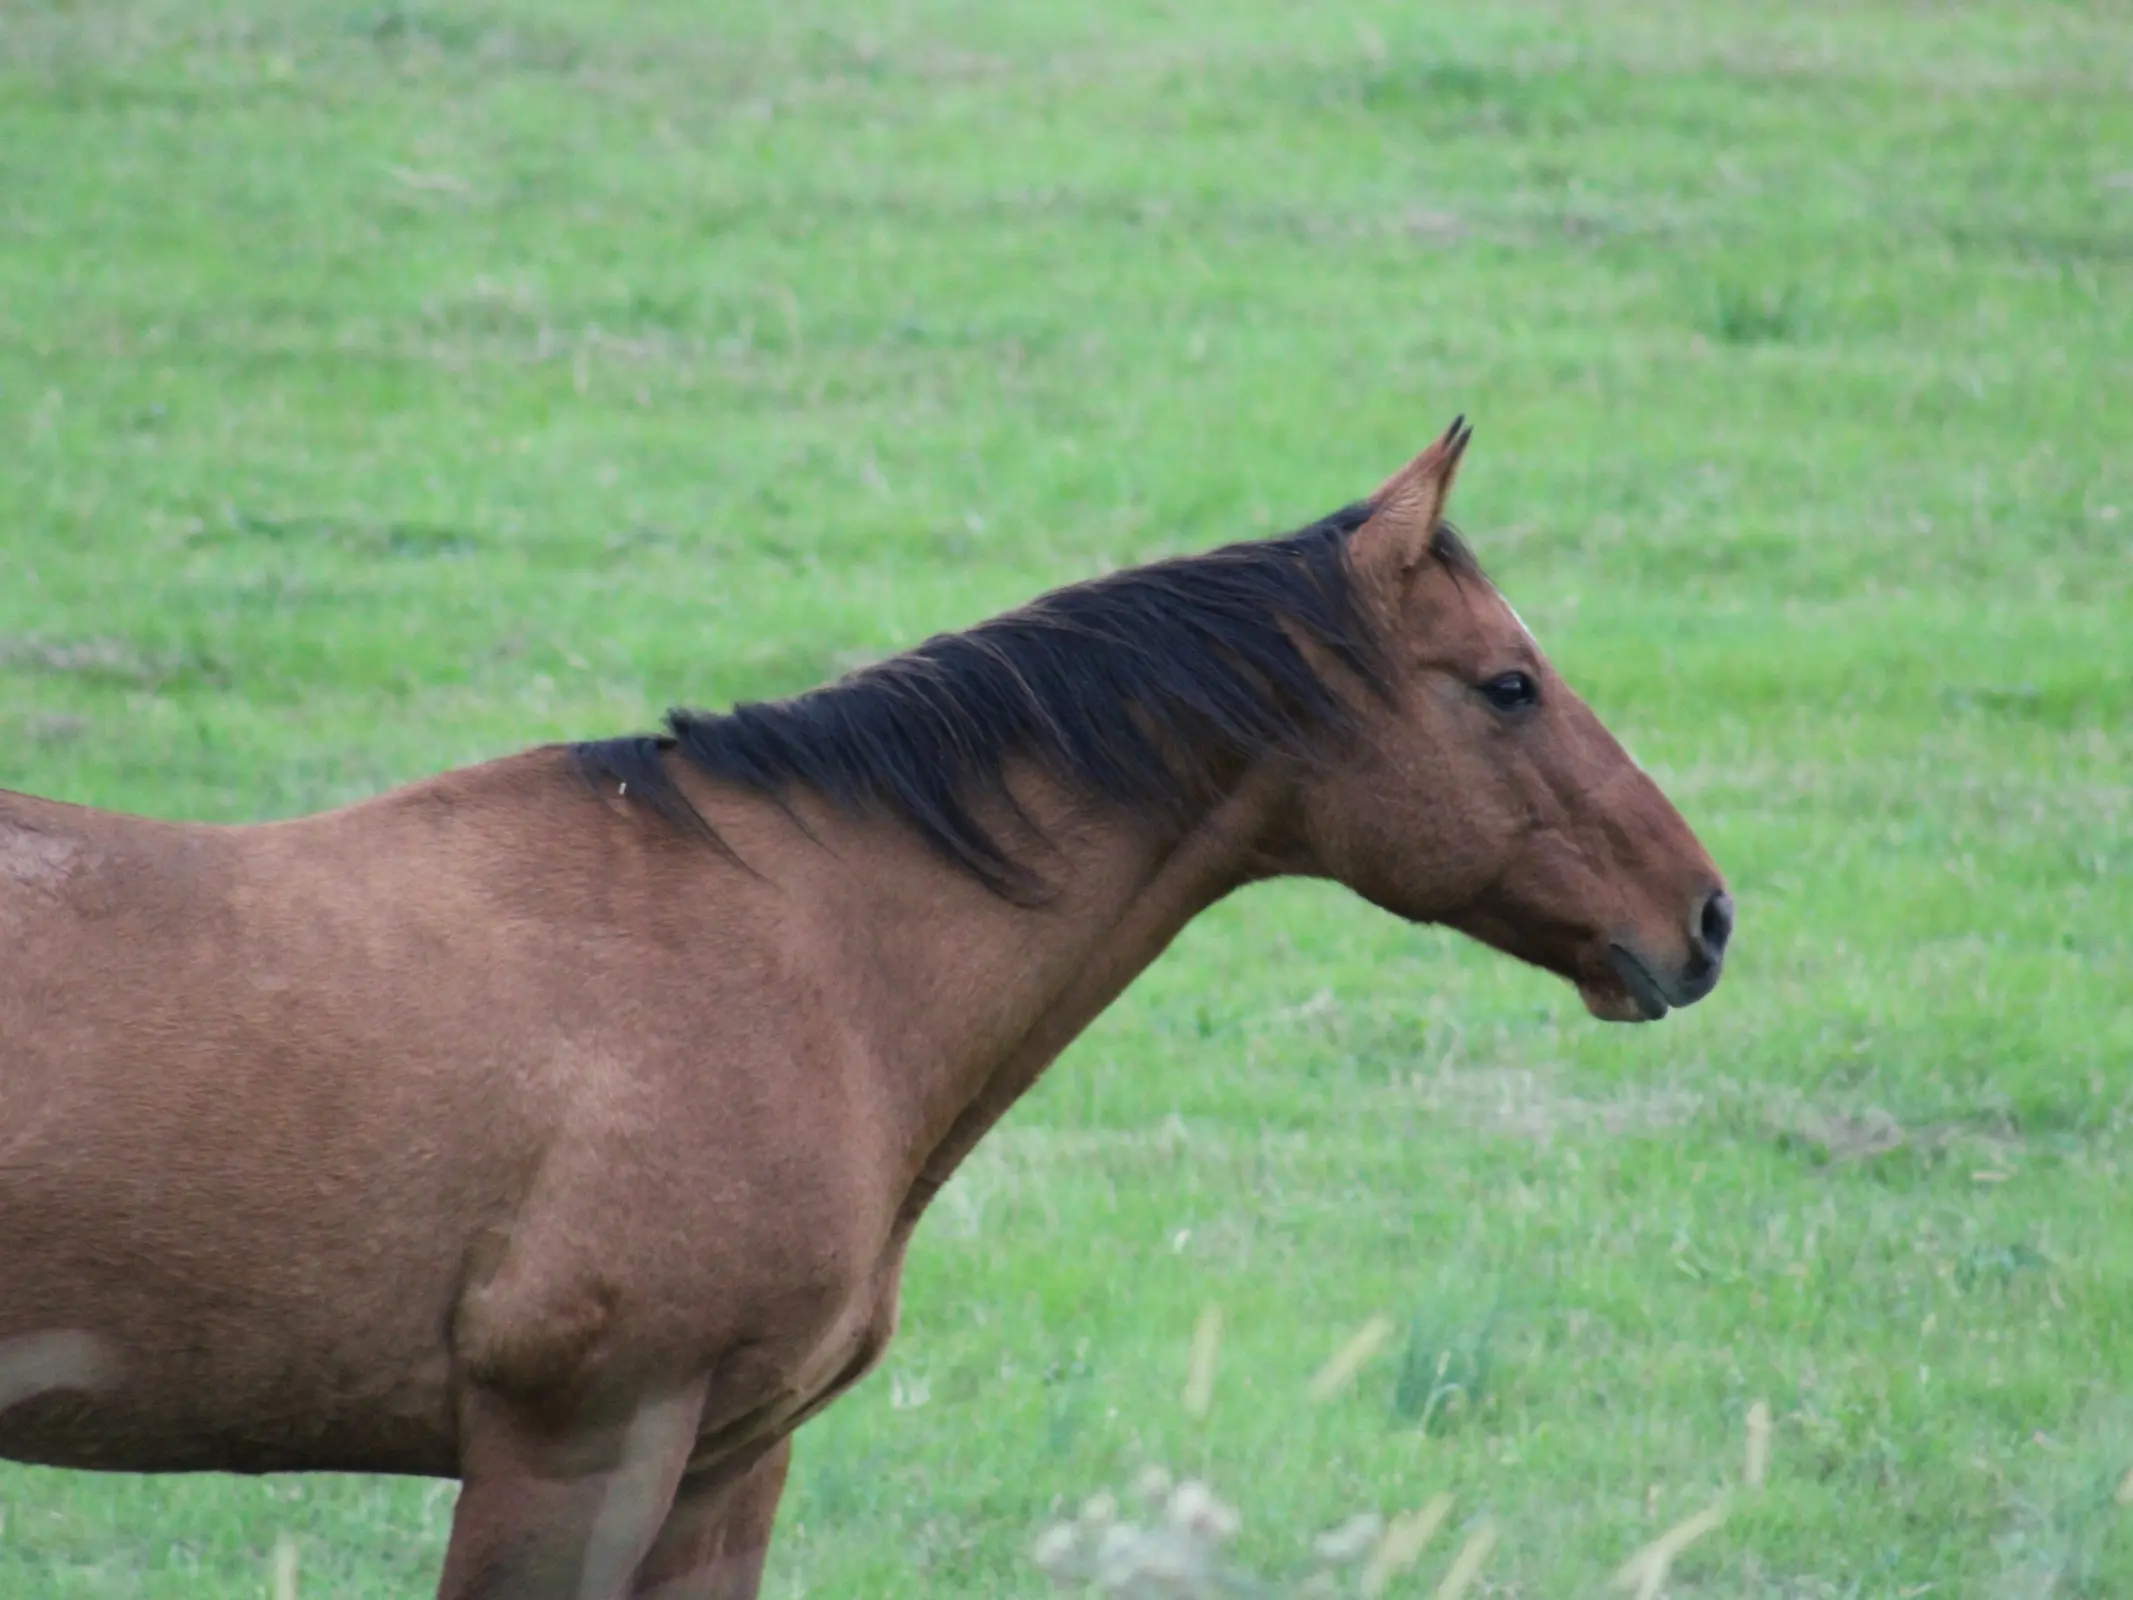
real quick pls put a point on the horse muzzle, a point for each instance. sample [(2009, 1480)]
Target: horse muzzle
[(1636, 988)]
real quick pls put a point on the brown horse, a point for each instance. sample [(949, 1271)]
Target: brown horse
[(560, 1124)]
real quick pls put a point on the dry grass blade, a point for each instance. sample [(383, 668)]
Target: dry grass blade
[(1200, 1370), (430, 182), (284, 1568), (1351, 1541), (1645, 1573), (1351, 1357), (1404, 1543), (1756, 1468), (1466, 1565)]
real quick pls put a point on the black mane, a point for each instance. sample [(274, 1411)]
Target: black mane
[(1135, 688)]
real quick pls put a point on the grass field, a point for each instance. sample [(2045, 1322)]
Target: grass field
[(386, 388)]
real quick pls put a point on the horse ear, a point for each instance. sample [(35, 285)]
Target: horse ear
[(1405, 511)]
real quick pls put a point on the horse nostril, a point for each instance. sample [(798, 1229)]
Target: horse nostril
[(1716, 925)]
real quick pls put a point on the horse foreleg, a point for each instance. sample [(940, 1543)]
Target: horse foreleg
[(717, 1536), (549, 1513)]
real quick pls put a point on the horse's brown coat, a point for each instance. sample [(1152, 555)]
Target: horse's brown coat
[(496, 1129)]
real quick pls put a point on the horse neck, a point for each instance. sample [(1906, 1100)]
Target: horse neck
[(977, 995)]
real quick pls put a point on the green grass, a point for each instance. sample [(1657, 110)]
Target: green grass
[(382, 388)]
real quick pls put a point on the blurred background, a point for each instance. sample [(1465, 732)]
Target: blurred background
[(384, 388)]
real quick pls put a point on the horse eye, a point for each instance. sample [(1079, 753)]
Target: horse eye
[(1514, 691)]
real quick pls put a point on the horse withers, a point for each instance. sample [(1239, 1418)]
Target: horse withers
[(560, 1124)]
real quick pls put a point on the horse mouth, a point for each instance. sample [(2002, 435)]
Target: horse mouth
[(1636, 978)]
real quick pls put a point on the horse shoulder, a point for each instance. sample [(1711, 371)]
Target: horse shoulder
[(696, 1200)]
